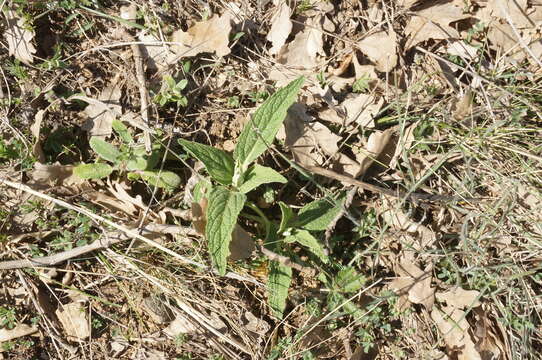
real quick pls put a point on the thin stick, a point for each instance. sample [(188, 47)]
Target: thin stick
[(370, 187)]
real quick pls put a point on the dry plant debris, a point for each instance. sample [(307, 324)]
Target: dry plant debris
[(148, 212)]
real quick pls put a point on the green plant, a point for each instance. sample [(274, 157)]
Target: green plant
[(171, 92), (7, 317), (361, 84), (237, 175), (130, 157)]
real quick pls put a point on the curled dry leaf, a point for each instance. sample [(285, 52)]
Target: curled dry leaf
[(19, 35), (180, 325), (74, 318), (381, 49), (307, 140), (433, 22), (210, 36), (103, 111), (158, 55), (454, 327), (35, 129), (300, 56), (281, 26), (391, 213), (256, 325), (18, 331), (459, 298), (359, 109), (418, 282), (376, 144)]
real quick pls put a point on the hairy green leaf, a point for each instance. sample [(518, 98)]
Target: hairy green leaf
[(222, 211), (104, 149), (218, 163), (348, 280), (162, 179), (93, 171), (286, 218), (280, 277), (261, 130), (258, 175), (122, 131), (303, 237), (318, 214)]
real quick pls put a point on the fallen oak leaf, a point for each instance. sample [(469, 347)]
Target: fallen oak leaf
[(19, 35), (433, 22), (381, 49), (281, 26), (211, 35)]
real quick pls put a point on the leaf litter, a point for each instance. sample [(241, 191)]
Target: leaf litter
[(333, 127)]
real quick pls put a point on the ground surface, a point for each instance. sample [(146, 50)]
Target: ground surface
[(419, 98)]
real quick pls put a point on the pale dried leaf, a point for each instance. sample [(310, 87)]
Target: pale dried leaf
[(307, 140), (434, 21), (180, 325), (35, 129), (19, 35), (256, 325), (376, 144), (453, 326), (344, 165), (281, 26), (300, 56), (381, 49), (462, 107), (515, 10), (103, 111), (211, 36), (18, 331), (128, 12), (459, 298), (419, 289), (158, 55), (109, 202), (462, 49), (74, 319)]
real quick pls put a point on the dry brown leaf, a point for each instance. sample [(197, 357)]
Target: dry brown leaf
[(281, 26), (462, 107), (158, 55), (19, 35), (256, 325), (122, 195), (128, 12), (180, 325), (35, 129), (392, 214), (307, 140), (454, 327), (210, 36), (376, 144), (418, 286), (18, 331), (381, 49), (515, 10), (433, 22), (459, 298), (109, 202), (103, 111), (300, 56), (74, 319)]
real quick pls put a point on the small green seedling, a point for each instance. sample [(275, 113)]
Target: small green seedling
[(130, 157), (238, 175), (171, 92)]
